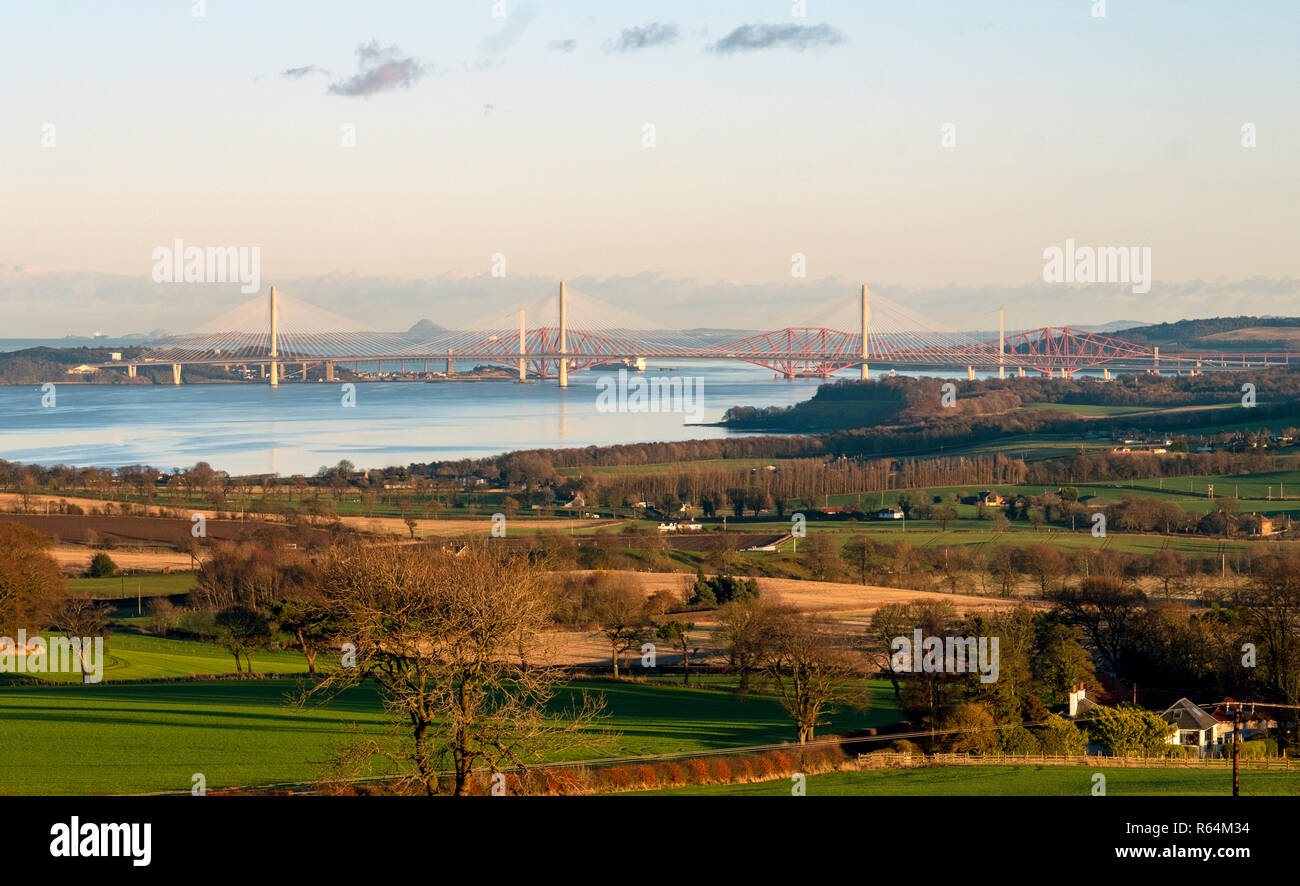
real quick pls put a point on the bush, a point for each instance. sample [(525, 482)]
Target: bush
[(675, 774), (102, 566), (1256, 749)]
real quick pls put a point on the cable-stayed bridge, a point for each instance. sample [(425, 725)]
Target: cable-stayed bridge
[(280, 337)]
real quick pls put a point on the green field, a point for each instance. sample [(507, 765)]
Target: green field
[(135, 738), (148, 584), (129, 656), (1023, 781)]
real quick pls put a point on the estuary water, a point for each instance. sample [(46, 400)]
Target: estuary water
[(298, 428)]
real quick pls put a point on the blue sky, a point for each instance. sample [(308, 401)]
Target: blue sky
[(1123, 130)]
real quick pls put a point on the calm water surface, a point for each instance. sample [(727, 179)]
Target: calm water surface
[(250, 428)]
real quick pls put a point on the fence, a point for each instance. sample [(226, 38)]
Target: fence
[(892, 759)]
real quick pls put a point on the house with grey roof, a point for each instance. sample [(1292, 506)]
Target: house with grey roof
[(1193, 727)]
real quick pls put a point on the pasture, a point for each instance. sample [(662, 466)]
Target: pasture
[(142, 737), (1012, 781)]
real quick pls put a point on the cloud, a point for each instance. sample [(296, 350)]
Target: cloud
[(53, 304), (565, 46), (644, 37), (299, 73), (380, 69), (748, 38), (511, 33)]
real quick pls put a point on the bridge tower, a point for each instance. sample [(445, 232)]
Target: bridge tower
[(523, 333), (866, 318), (275, 319), (564, 342), (1002, 342)]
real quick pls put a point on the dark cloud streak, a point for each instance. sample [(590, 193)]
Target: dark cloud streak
[(644, 37), (750, 38)]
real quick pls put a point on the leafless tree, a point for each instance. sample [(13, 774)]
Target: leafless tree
[(439, 633)]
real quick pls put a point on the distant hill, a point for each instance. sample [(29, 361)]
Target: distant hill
[(1219, 333), (425, 328)]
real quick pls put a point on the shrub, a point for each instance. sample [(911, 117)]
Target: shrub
[(102, 566), (1256, 749), (698, 771), (720, 771), (675, 774), (647, 776)]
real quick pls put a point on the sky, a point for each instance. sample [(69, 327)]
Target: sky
[(518, 142)]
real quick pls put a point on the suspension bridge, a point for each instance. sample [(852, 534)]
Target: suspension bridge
[(279, 338)]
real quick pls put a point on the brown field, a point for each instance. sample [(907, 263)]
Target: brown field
[(144, 531), (76, 559), (849, 603), (1289, 335)]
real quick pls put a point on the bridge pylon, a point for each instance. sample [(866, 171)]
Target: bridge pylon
[(275, 321), (866, 319)]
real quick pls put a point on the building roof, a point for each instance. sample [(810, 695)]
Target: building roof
[(1185, 715)]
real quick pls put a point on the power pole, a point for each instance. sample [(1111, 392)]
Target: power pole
[(1236, 750)]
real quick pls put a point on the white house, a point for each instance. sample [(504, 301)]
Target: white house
[(1192, 726)]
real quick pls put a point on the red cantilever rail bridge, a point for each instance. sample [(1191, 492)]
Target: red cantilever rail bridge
[(282, 334)]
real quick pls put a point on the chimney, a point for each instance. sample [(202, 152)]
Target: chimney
[(1076, 696)]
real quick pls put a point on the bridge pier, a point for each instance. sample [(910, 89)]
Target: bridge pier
[(176, 373), (451, 365), (130, 370), (1022, 371), (970, 373), (329, 371)]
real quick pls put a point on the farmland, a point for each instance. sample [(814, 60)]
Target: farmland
[(1022, 781), (137, 738)]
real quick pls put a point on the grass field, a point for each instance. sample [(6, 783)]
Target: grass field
[(135, 657), (1024, 781), (149, 584), (154, 737)]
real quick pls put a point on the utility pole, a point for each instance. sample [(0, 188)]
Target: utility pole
[(1236, 750)]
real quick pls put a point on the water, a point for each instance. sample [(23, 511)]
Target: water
[(297, 428)]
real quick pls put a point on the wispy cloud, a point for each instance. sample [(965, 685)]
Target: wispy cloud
[(748, 38), (512, 32), (644, 37), (565, 46), (380, 69), (299, 73)]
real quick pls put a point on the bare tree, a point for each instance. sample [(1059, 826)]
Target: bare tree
[(619, 610), (439, 634), (813, 670), (82, 617)]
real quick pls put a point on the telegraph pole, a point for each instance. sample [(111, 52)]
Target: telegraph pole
[(1236, 750)]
